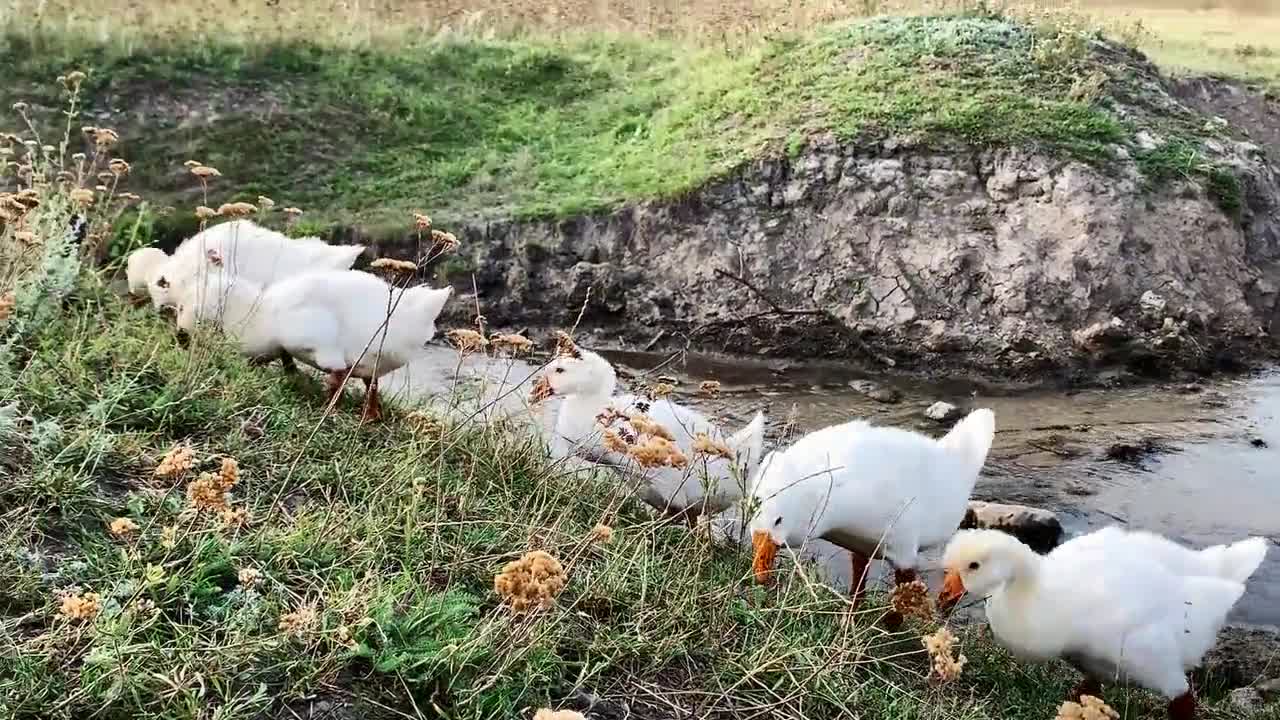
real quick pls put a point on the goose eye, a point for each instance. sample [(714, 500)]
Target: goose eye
[(974, 565), (162, 283), (559, 370), (777, 522)]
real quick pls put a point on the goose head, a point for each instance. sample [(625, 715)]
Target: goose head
[(787, 512), (142, 263), (979, 562), (584, 373)]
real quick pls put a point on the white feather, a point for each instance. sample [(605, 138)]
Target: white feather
[(330, 319), (243, 248), (883, 492), (1102, 601)]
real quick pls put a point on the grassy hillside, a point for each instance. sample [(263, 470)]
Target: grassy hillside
[(363, 129)]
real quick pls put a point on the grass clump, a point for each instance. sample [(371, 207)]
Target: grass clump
[(1180, 159)]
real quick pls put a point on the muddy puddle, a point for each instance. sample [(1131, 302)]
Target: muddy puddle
[(1199, 463)]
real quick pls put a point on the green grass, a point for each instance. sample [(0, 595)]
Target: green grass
[(393, 535), (467, 128)]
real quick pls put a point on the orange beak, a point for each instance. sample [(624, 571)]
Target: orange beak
[(952, 591), (766, 554)]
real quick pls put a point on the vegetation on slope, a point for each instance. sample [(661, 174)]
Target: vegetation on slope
[(296, 560), (555, 127)]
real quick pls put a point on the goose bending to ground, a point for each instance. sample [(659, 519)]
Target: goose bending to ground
[(700, 471), (345, 323), (878, 492), (142, 264), (242, 248), (1120, 606)]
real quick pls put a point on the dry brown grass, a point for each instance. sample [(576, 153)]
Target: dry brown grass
[(1233, 37)]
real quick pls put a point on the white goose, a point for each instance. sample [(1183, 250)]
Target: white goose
[(708, 485), (1120, 606), (142, 264), (878, 492), (333, 320), (242, 248)]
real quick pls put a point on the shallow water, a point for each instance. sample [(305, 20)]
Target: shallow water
[(1206, 481)]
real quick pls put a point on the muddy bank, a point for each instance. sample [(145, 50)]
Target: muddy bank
[(895, 253)]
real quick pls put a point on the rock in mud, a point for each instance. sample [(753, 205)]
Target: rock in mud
[(1247, 700), (1039, 529), (879, 393), (1152, 303), (943, 412), (1139, 452), (1244, 656), (1101, 335)]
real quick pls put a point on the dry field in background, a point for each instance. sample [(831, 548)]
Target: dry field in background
[(1239, 37)]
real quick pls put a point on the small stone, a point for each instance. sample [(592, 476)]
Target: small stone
[(876, 392), (1039, 529), (1246, 699), (1100, 334), (1152, 303), (1147, 141), (1270, 689), (942, 412)]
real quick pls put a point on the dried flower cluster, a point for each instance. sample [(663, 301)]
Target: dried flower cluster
[(565, 346), (912, 600), (514, 344), (393, 266), (299, 621), (704, 445), (204, 172), (82, 197), (237, 209), (7, 301), (209, 491), (640, 437), (941, 644), (234, 517), (175, 463), (602, 534), (15, 206), (248, 577), (265, 202), (549, 714), (123, 527), (425, 422), (71, 81), (169, 537), (645, 425), (1089, 708), (446, 242), (532, 581), (421, 222), (710, 388), (658, 452), (541, 390), (203, 212), (467, 341), (78, 606), (104, 137), (662, 389)]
